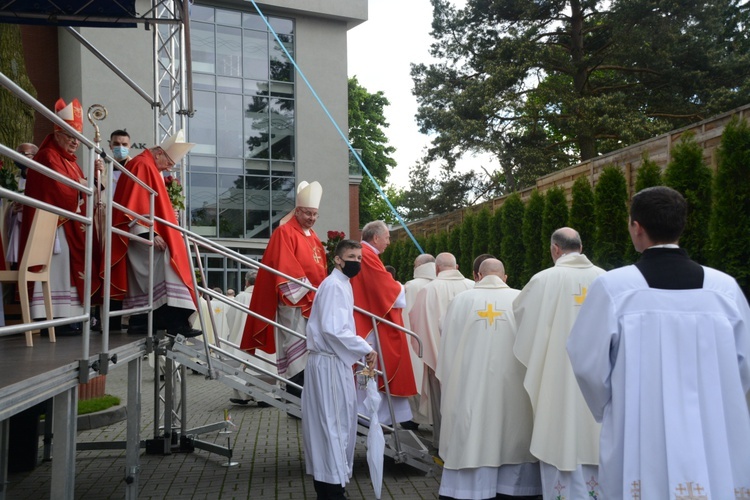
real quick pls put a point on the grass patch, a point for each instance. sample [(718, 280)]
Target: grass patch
[(97, 404)]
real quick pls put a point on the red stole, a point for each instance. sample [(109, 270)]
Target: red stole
[(376, 291), (47, 190), (133, 196)]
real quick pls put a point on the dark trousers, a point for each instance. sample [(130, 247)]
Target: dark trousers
[(298, 379), (328, 491), (165, 317)]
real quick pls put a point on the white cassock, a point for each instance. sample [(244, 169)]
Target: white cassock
[(329, 403), (425, 316), (667, 373), (218, 310), (423, 275), (236, 319), (566, 436), (486, 414)]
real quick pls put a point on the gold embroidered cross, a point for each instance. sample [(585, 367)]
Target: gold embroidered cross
[(692, 493), (489, 314), (581, 296), (316, 256)]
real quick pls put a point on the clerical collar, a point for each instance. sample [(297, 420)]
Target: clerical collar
[(666, 245), (570, 253), (377, 252)]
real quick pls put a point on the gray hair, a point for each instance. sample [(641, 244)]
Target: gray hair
[(372, 229), (567, 239)]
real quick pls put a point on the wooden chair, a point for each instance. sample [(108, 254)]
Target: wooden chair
[(38, 253)]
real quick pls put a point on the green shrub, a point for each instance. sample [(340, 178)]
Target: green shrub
[(554, 217), (532, 235), (612, 236), (513, 253)]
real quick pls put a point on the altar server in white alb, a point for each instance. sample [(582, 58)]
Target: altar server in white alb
[(487, 420), (566, 436), (660, 350), (329, 403)]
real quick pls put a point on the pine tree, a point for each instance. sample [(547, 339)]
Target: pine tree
[(513, 252), (532, 235), (443, 241), (554, 217), (612, 236), (454, 242), (688, 174), (649, 175), (730, 219), (582, 216)]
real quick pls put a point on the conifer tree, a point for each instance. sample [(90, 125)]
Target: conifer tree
[(612, 236), (582, 216), (554, 217), (465, 258), (649, 175), (688, 174), (496, 232), (730, 219), (481, 233), (513, 253), (532, 235)]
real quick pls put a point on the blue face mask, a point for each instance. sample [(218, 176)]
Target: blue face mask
[(120, 152)]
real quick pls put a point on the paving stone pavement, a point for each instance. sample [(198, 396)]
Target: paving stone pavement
[(267, 445)]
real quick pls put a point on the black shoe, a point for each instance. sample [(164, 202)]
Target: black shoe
[(263, 404), (185, 331), (68, 330), (238, 401), (409, 425)]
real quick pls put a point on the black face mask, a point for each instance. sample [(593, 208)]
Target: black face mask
[(351, 268)]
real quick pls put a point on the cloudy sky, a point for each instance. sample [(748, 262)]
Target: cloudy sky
[(380, 52)]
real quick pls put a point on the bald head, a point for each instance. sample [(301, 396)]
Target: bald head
[(492, 267), (565, 240), (445, 261), (422, 259)]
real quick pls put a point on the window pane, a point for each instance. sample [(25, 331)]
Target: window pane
[(203, 49), (256, 127), (253, 21), (200, 13), (201, 163), (255, 54), (230, 85), (282, 198), (203, 82), (231, 206), (228, 51), (230, 17), (282, 129), (281, 26), (257, 205), (203, 126), (202, 204), (282, 168), (256, 167), (281, 66), (229, 123), (281, 89)]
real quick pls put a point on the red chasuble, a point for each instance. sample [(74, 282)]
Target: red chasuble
[(134, 197), (376, 291), (294, 254), (47, 190)]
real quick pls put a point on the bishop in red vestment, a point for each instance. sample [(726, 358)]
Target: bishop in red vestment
[(57, 152), (295, 250)]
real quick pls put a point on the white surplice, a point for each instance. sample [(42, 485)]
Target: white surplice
[(667, 373), (429, 308), (329, 413), (423, 275), (486, 412), (565, 433)]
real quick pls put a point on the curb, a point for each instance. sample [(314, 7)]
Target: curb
[(97, 419)]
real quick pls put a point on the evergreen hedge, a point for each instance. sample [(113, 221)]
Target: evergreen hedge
[(496, 232), (612, 236), (532, 235), (554, 217), (464, 258), (513, 254), (481, 233), (688, 174), (582, 217)]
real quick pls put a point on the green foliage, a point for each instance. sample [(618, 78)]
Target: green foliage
[(541, 85), (442, 244), (379, 209), (481, 233), (690, 176), (465, 259), (513, 253), (649, 175), (366, 124), (730, 219), (427, 195), (430, 245), (496, 232), (532, 235), (612, 236), (454, 242), (16, 117), (555, 216), (582, 216), (94, 405)]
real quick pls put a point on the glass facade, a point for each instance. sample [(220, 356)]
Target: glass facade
[(240, 174), (241, 171)]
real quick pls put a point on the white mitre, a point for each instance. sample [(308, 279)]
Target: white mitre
[(308, 196), (176, 147)]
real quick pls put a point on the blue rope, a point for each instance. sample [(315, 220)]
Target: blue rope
[(338, 129)]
